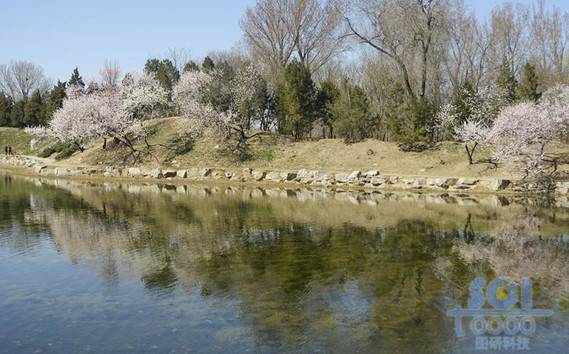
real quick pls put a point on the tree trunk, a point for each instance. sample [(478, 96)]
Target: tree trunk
[(79, 146), (470, 152)]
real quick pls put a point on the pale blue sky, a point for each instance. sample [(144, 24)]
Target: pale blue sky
[(60, 34)]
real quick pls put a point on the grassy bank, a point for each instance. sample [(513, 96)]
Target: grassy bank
[(277, 152), (17, 138)]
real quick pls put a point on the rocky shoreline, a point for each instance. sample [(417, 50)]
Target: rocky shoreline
[(371, 179)]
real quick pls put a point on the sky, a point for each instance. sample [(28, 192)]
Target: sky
[(62, 34)]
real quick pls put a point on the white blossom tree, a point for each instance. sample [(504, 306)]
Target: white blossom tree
[(85, 116), (73, 91), (74, 122)]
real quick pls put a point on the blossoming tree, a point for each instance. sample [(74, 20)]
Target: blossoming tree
[(522, 132), (472, 134), (106, 112), (247, 106), (469, 119)]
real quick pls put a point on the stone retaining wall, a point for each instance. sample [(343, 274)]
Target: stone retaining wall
[(371, 179)]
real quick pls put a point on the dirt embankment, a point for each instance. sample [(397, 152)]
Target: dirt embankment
[(277, 153)]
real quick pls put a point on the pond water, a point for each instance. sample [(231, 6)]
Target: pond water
[(109, 267)]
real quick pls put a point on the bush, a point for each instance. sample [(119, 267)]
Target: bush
[(179, 146), (238, 151), (52, 149), (47, 152), (414, 146), (66, 152)]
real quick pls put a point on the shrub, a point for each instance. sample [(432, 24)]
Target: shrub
[(67, 152), (52, 149)]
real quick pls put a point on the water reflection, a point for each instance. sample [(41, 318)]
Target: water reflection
[(109, 267)]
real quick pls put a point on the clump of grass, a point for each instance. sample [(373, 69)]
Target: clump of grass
[(266, 154)]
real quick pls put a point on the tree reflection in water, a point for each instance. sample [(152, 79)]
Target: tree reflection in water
[(307, 269)]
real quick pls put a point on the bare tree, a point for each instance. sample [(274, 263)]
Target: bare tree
[(468, 47), (178, 57), (549, 38), (402, 30), (277, 30), (558, 39), (21, 78), (510, 33), (110, 73), (267, 34), (315, 27)]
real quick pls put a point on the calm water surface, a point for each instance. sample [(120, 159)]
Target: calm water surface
[(107, 268)]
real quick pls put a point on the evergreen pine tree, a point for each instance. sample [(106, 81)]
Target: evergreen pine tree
[(5, 110), (298, 101), (529, 85), (408, 119), (421, 114), (164, 71), (17, 114), (507, 83), (191, 66), (327, 95), (462, 102), (55, 100), (352, 113), (34, 110), (76, 78), (208, 65)]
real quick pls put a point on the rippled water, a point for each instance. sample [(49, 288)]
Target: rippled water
[(104, 267)]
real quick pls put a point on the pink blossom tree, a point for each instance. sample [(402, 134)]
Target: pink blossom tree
[(107, 112), (555, 104), (142, 96), (193, 96), (189, 96), (471, 130), (520, 135), (472, 134)]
